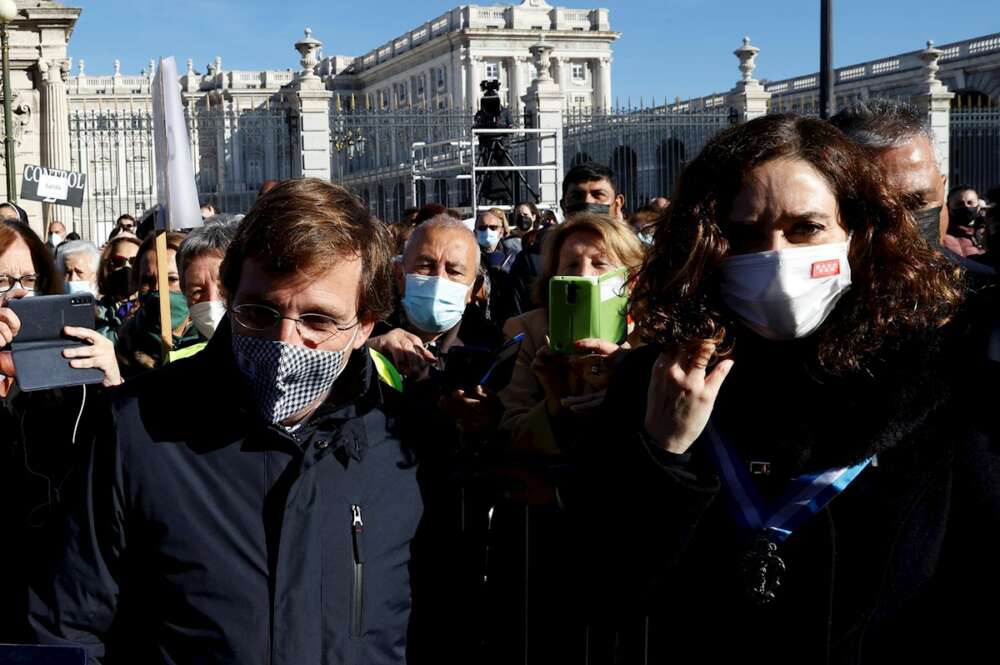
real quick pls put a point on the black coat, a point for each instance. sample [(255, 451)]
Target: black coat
[(209, 537), (901, 567), (44, 436)]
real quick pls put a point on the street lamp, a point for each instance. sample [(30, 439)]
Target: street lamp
[(8, 12)]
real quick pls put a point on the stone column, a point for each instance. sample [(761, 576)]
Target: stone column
[(514, 85), (456, 81), (234, 156), (543, 105), (748, 100), (471, 64), (564, 77), (602, 83), (311, 102), (55, 126), (934, 99)]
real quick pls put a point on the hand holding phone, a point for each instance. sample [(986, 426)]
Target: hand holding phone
[(39, 345), (587, 308), (10, 324)]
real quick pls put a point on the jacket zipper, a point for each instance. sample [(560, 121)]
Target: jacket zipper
[(357, 589)]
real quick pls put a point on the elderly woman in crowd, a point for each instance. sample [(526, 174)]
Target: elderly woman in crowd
[(40, 432), (789, 463), (116, 284), (78, 261), (547, 389)]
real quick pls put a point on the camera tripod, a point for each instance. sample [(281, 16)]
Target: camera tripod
[(493, 152)]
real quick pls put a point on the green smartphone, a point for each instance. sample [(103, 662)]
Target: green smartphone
[(584, 307)]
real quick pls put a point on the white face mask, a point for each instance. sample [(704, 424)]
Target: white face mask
[(55, 239), (81, 287), (207, 315), (788, 293)]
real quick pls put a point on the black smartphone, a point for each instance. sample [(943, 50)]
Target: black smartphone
[(37, 349), (469, 366), (463, 365)]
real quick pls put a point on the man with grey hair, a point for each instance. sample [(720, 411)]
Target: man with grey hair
[(436, 321), (198, 262), (897, 136), (439, 271), (78, 261)]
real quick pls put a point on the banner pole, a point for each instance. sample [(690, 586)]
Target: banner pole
[(162, 278), (163, 284)]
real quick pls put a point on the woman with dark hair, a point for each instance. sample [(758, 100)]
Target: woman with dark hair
[(139, 345), (115, 283), (798, 479)]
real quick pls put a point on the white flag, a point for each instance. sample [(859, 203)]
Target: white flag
[(176, 190)]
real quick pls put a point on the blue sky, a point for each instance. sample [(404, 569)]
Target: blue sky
[(668, 48)]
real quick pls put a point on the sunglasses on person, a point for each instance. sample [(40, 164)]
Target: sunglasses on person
[(118, 261)]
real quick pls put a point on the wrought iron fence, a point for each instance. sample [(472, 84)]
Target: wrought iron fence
[(115, 150), (647, 148), (975, 146), (233, 153), (370, 151)]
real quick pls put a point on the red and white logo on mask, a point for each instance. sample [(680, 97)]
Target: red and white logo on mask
[(826, 268)]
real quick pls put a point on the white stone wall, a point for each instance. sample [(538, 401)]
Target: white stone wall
[(467, 39)]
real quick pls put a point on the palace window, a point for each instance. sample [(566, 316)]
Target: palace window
[(579, 72), (492, 71), (441, 74)]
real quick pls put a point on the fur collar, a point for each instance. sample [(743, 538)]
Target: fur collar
[(774, 406)]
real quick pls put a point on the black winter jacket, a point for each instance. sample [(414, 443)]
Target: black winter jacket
[(44, 436), (208, 537), (901, 567)]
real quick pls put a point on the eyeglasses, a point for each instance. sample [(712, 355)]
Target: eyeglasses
[(117, 262), (314, 328), (26, 282)]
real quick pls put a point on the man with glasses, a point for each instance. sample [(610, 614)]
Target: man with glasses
[(255, 503)]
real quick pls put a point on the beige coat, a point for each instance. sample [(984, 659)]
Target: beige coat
[(525, 417)]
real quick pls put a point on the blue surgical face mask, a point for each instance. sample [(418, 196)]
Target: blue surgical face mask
[(487, 238), (434, 304)]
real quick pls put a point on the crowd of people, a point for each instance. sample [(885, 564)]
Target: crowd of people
[(789, 453)]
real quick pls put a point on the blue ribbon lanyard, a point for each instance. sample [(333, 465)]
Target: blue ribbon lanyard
[(806, 495)]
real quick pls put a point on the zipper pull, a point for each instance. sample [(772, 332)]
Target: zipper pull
[(357, 524)]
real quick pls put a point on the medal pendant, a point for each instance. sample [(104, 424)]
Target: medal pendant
[(762, 570)]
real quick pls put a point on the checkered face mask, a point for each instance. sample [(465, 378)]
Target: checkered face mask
[(284, 378)]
